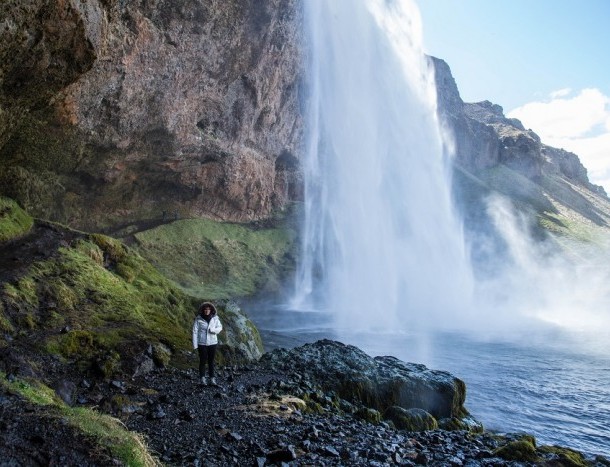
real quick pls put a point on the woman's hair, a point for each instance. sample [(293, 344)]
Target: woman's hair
[(205, 305)]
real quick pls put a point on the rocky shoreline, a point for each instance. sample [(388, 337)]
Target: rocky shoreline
[(270, 412)]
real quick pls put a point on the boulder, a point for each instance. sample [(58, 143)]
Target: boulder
[(410, 419), (378, 383)]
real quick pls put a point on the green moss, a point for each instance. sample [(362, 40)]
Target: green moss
[(108, 363), (35, 190), (14, 221), (161, 355), (313, 406), (5, 323), (368, 415), (410, 419), (218, 260), (77, 291), (567, 457), (80, 343), (113, 249), (106, 431), (91, 250), (522, 450)]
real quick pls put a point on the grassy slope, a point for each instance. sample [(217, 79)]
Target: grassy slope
[(96, 300), (219, 260), (560, 207), (108, 432)]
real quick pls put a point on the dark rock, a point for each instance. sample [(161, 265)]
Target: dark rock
[(66, 390), (282, 455), (375, 382)]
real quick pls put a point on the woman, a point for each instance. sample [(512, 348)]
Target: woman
[(205, 339)]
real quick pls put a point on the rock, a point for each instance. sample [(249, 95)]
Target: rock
[(410, 419), (66, 391), (377, 383), (143, 365), (197, 101), (282, 455)]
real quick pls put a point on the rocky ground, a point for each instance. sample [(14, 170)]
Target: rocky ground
[(255, 416), (251, 419)]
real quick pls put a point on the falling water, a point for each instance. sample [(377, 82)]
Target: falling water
[(382, 247)]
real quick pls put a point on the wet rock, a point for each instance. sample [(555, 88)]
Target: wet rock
[(375, 382), (66, 391), (157, 413)]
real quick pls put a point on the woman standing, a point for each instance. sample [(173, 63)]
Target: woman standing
[(205, 330)]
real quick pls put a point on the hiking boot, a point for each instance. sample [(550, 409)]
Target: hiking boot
[(213, 382), (204, 380)]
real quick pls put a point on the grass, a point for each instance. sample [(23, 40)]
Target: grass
[(14, 222), (218, 260), (106, 431), (106, 294), (98, 304)]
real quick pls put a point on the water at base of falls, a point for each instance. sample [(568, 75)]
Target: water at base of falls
[(384, 264), (545, 384)]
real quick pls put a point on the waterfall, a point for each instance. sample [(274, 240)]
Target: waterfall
[(382, 248)]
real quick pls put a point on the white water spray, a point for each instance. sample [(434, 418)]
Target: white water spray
[(382, 248)]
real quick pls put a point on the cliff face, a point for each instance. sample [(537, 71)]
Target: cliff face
[(114, 111), (497, 154), (484, 137)]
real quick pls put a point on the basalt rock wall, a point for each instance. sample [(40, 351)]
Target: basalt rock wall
[(485, 138), (113, 111)]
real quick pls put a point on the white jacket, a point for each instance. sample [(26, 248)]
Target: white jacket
[(205, 333)]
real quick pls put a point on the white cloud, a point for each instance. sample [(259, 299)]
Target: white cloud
[(578, 123), (560, 93)]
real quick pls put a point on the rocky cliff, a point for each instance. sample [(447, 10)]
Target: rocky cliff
[(494, 153), (112, 111), (485, 138), (115, 112)]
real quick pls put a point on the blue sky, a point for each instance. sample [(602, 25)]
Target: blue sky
[(546, 62)]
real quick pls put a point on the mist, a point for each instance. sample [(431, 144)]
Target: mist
[(539, 285), (384, 249)]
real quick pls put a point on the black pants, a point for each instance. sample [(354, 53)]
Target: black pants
[(206, 354)]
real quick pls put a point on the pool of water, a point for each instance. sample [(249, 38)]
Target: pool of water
[(555, 386)]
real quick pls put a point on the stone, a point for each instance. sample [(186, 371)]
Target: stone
[(199, 103), (377, 383)]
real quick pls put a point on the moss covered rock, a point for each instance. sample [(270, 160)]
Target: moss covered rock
[(378, 383), (93, 301), (410, 419), (564, 456), (368, 415), (14, 221), (522, 449)]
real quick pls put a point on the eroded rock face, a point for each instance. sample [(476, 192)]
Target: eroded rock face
[(186, 106), (484, 138)]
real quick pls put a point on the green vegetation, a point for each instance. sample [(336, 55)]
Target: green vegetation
[(368, 415), (410, 419), (522, 450), (98, 304), (14, 222), (104, 430), (218, 260), (566, 457), (106, 296)]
